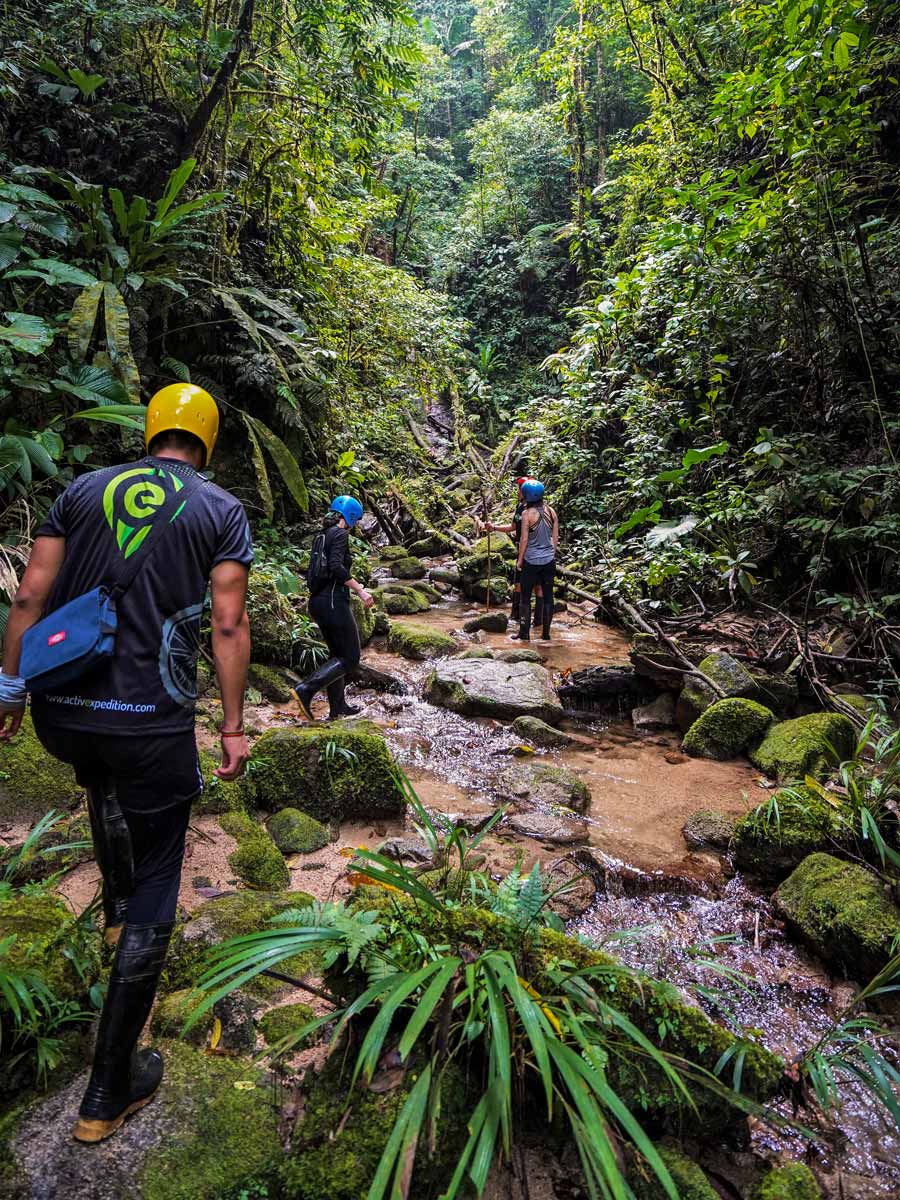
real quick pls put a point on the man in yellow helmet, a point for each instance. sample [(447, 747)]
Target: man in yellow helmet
[(127, 726)]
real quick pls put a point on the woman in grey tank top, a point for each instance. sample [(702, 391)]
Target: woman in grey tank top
[(537, 556)]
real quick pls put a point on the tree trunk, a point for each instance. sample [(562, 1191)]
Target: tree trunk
[(196, 127)]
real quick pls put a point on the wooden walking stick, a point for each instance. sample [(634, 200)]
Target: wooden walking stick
[(484, 507)]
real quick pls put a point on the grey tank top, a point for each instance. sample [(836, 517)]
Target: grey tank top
[(540, 540)]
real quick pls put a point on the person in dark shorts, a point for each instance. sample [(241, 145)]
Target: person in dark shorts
[(538, 541), (127, 727), (330, 583), (515, 528)]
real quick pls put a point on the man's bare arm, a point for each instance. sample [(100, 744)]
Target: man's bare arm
[(27, 608), (231, 655)]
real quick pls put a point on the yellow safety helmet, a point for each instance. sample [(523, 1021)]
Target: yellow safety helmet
[(183, 406)]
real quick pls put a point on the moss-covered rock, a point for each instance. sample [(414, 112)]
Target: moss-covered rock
[(306, 769), (172, 1012), (476, 652), (407, 568), (727, 728), (795, 1181), (488, 688), (392, 553), (364, 618), (227, 917), (403, 603), (693, 700), (520, 654), (706, 827), (31, 780), (271, 620), (539, 733), (690, 1181), (213, 1147), (731, 676), (500, 590), (474, 565), (338, 1145), (257, 860), (807, 745), (50, 942), (427, 547), (419, 641), (781, 831), (269, 682), (781, 693), (841, 912), (544, 784), (490, 622), (381, 625), (446, 575), (218, 795), (277, 1023), (465, 526), (296, 832), (457, 499)]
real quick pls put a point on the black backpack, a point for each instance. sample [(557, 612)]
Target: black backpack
[(317, 573)]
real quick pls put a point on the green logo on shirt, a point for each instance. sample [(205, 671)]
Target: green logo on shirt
[(131, 507)]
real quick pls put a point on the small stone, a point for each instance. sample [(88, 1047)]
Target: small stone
[(409, 851), (201, 881), (540, 733), (706, 827), (520, 654), (491, 622), (295, 832), (548, 827), (658, 715), (545, 784)]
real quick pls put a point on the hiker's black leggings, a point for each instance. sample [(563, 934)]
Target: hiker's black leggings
[(533, 576), (332, 613)]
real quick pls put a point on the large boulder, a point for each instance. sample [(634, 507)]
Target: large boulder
[(269, 682), (727, 728), (473, 567), (343, 770), (31, 780), (419, 641), (63, 845), (364, 618), (389, 554), (218, 795), (841, 912), (490, 622), (407, 568), (690, 1181), (708, 828), (804, 746), (615, 688), (232, 915), (544, 784), (659, 714), (488, 688), (211, 1129), (272, 620), (732, 678), (553, 827), (776, 836), (427, 547), (655, 660), (446, 575), (401, 601), (498, 592)]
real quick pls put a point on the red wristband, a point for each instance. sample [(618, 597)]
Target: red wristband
[(231, 732)]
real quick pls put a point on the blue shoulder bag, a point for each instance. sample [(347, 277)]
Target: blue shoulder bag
[(81, 635)]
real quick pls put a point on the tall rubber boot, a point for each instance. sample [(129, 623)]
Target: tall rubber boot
[(122, 1080), (319, 680), (515, 609), (337, 704), (538, 611), (112, 850)]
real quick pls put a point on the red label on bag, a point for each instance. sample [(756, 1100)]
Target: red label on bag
[(57, 638)]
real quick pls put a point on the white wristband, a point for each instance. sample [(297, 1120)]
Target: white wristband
[(12, 690)]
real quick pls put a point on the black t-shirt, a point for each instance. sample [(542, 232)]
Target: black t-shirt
[(150, 686)]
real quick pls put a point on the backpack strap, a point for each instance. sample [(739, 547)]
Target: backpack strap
[(122, 577)]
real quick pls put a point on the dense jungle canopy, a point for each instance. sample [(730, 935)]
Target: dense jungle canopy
[(649, 252), (657, 242)]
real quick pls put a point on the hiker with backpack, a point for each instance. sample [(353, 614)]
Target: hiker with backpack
[(538, 542), (330, 583)]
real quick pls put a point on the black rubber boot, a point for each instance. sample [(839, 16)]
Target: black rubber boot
[(122, 1080), (516, 606), (112, 850), (337, 704), (538, 611), (318, 681)]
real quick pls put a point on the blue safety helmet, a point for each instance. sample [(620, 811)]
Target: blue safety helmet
[(532, 489), (348, 508)]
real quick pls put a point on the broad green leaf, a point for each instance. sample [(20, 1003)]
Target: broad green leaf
[(131, 416), (118, 340), (39, 456), (30, 334), (841, 53), (82, 320), (51, 270), (176, 182), (86, 84), (698, 456), (117, 200), (640, 517), (262, 475), (284, 461), (94, 384)]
